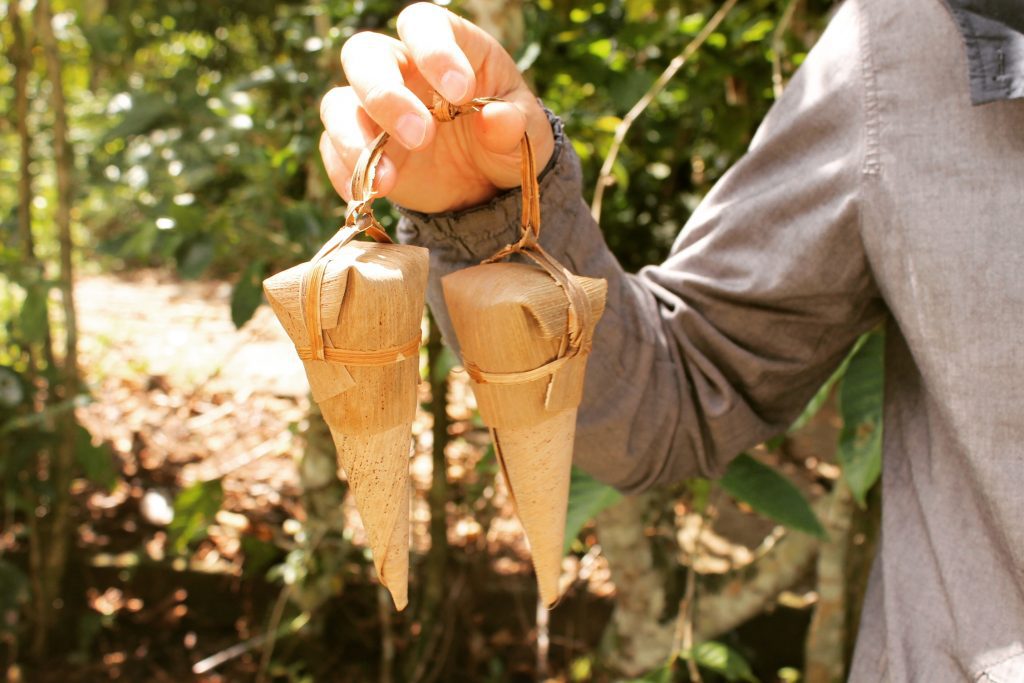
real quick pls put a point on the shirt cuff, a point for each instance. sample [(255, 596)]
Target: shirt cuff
[(476, 233)]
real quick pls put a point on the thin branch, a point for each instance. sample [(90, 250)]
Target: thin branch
[(543, 640), (447, 632), (682, 642), (777, 46), (748, 591), (283, 597), (64, 164), (387, 648), (20, 56), (275, 619), (213, 661), (605, 178)]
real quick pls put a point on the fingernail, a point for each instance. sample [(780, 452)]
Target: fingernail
[(411, 130), (454, 86)]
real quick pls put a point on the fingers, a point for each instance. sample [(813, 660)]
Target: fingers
[(337, 170), (373, 66), (348, 130), (428, 32)]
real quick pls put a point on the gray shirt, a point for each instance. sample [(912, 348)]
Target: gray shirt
[(873, 192)]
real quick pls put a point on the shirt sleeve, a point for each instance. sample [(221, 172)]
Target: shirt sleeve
[(766, 288)]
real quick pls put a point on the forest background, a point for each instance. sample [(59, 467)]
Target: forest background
[(168, 504)]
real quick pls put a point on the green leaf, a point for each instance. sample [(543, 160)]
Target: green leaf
[(194, 510), (601, 48), (758, 31), (770, 494), (723, 660), (195, 260), (247, 294), (97, 462), (819, 399), (660, 675), (587, 497), (445, 362), (860, 405), (700, 492), (692, 23), (637, 10), (259, 555), (32, 320)]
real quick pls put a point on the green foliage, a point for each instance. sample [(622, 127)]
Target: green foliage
[(596, 62), (446, 361), (247, 294), (587, 497), (194, 510), (771, 494), (665, 674), (259, 555), (32, 321), (723, 660), (13, 595), (711, 656), (97, 461), (860, 404)]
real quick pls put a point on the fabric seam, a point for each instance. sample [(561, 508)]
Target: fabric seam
[(872, 159)]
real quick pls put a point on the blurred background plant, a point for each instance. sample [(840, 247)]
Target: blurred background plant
[(171, 146)]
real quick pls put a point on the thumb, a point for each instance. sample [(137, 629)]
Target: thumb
[(499, 127)]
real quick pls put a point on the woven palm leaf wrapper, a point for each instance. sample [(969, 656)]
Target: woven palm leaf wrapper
[(525, 331), (354, 313)]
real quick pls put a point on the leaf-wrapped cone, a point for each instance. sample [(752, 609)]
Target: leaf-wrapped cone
[(512, 318), (371, 300)]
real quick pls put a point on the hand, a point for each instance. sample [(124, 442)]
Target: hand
[(430, 166)]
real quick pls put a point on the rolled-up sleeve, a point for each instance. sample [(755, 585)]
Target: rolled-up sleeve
[(765, 290)]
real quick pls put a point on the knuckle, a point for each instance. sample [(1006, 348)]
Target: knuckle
[(378, 100), (433, 57)]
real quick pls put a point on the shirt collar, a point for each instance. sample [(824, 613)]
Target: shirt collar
[(993, 33)]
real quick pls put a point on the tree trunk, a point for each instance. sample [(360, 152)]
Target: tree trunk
[(863, 544), (55, 529), (503, 19), (636, 640), (424, 660), (825, 660), (21, 58)]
